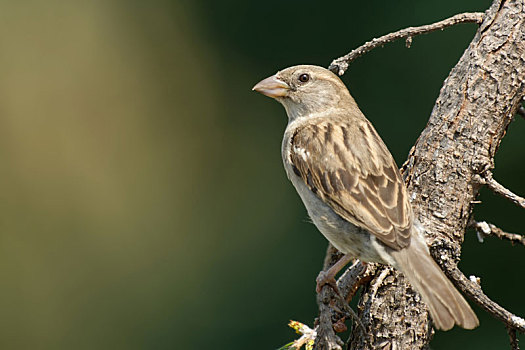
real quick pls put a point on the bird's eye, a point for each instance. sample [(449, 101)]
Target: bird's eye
[(303, 78)]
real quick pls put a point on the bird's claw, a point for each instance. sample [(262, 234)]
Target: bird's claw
[(326, 278)]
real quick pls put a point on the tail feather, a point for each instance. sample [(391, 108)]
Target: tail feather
[(446, 305)]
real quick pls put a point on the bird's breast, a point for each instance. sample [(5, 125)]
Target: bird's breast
[(343, 235)]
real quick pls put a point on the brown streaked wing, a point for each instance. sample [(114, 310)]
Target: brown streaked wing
[(358, 178)]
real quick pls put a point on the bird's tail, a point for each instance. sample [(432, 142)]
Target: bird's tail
[(446, 305)]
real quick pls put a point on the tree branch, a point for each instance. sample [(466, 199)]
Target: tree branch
[(353, 278), (340, 65), (486, 229), (471, 288), (513, 339), (487, 179), (470, 117), (476, 104), (333, 308), (326, 338)]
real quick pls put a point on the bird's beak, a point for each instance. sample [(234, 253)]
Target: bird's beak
[(272, 87)]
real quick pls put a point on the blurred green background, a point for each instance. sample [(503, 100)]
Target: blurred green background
[(143, 200)]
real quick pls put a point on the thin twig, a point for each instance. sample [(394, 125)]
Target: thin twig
[(340, 65), (487, 179), (513, 339), (486, 229), (474, 291), (354, 277)]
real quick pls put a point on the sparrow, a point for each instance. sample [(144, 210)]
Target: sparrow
[(352, 188)]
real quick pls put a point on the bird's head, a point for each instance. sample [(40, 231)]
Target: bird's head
[(305, 90)]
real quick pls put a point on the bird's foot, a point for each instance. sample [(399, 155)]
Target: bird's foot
[(326, 278)]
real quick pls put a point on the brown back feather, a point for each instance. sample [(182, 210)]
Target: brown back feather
[(355, 175)]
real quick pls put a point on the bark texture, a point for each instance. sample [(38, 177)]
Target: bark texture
[(475, 106)]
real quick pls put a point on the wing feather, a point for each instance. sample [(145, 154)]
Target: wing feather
[(355, 175)]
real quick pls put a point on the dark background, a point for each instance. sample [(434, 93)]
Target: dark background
[(143, 200)]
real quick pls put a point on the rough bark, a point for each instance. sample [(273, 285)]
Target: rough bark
[(475, 106)]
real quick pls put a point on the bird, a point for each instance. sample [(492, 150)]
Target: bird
[(352, 188)]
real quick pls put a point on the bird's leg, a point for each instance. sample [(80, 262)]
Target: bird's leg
[(328, 276)]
